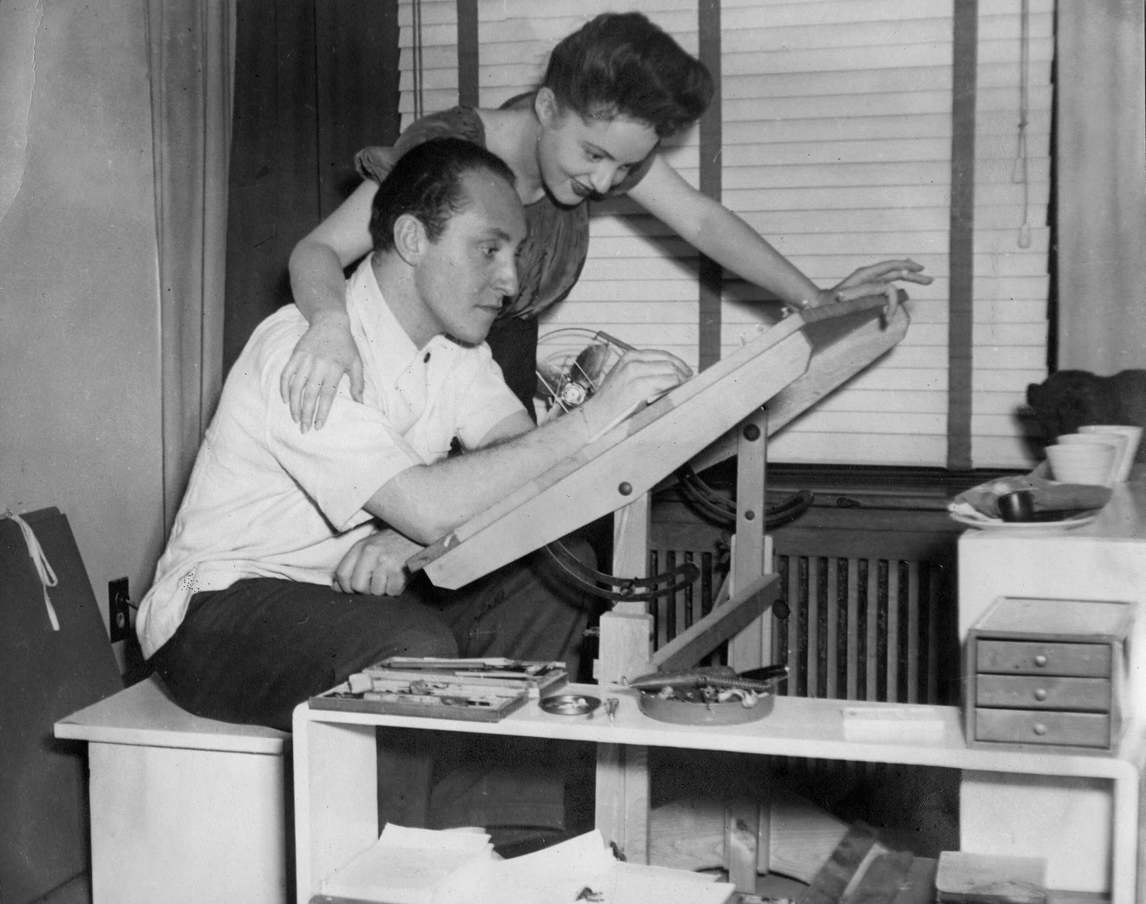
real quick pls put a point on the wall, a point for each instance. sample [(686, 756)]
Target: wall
[(79, 323)]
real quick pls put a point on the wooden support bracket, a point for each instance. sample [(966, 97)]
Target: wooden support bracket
[(721, 624)]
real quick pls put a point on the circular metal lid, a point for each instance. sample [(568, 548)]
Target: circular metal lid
[(570, 704)]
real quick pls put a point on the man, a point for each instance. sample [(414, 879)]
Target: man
[(284, 572)]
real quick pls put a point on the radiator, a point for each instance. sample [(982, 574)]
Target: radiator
[(855, 623), (861, 628)]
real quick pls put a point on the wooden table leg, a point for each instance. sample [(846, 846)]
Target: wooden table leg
[(622, 812)]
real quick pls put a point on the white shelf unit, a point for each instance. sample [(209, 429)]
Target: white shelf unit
[(1065, 819), (336, 774)]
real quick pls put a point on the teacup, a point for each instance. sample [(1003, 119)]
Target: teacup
[(1117, 440), (1082, 462), (1130, 450)]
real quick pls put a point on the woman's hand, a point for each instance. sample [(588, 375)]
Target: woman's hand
[(876, 279), (320, 359)]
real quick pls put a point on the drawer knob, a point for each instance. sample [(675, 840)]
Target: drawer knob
[(1041, 660), (1040, 694), (1040, 729)]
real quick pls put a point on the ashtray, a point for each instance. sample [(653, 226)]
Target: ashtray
[(570, 704), (700, 712)]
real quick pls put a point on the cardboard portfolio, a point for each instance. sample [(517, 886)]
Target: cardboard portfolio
[(47, 674)]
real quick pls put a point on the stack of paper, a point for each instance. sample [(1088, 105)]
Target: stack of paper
[(585, 869), (412, 866), (422, 866)]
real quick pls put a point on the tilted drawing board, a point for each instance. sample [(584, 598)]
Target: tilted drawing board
[(845, 346), (796, 362)]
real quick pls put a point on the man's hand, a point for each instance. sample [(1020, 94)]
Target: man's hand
[(638, 378), (376, 565), (316, 366), (876, 279)]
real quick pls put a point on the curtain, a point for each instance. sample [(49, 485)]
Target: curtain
[(191, 71), (1101, 156)]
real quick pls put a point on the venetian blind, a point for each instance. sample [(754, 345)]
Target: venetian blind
[(1012, 217), (837, 148)]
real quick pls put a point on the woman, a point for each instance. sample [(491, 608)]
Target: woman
[(611, 92)]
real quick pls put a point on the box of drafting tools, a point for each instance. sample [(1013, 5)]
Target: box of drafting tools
[(483, 690)]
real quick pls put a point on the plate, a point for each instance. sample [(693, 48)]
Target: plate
[(1027, 527), (569, 704)]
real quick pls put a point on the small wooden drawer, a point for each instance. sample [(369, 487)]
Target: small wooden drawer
[(1043, 692), (1048, 672), (1038, 658), (1019, 726)]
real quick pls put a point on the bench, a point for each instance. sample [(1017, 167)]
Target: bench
[(182, 808)]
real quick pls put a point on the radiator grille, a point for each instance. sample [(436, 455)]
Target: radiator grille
[(677, 612), (857, 627), (861, 629)]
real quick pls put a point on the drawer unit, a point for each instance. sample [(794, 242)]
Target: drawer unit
[(1047, 672)]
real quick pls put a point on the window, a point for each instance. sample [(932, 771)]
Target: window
[(836, 145)]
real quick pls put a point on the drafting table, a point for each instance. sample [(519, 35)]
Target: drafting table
[(729, 409)]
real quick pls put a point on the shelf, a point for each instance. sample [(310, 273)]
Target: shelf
[(797, 727)]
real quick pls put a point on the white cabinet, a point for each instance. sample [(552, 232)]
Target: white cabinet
[(1072, 822)]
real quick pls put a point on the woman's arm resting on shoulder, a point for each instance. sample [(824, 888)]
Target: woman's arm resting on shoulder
[(717, 232), (326, 351)]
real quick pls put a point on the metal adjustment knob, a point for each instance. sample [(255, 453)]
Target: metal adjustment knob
[(1040, 694), (1041, 660)]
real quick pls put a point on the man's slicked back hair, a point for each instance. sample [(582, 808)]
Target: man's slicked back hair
[(427, 184)]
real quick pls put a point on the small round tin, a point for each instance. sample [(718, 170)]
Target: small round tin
[(569, 704)]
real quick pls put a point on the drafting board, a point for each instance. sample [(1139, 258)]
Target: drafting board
[(790, 366)]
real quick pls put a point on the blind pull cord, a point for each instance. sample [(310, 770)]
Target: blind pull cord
[(1020, 173)]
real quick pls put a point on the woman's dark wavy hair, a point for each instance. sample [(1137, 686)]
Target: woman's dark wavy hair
[(621, 64), (426, 182)]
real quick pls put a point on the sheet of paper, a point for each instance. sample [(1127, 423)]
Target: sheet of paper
[(409, 866), (585, 869)]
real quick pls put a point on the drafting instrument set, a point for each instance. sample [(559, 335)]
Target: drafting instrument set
[(483, 690)]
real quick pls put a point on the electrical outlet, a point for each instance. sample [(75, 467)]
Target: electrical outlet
[(118, 610)]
